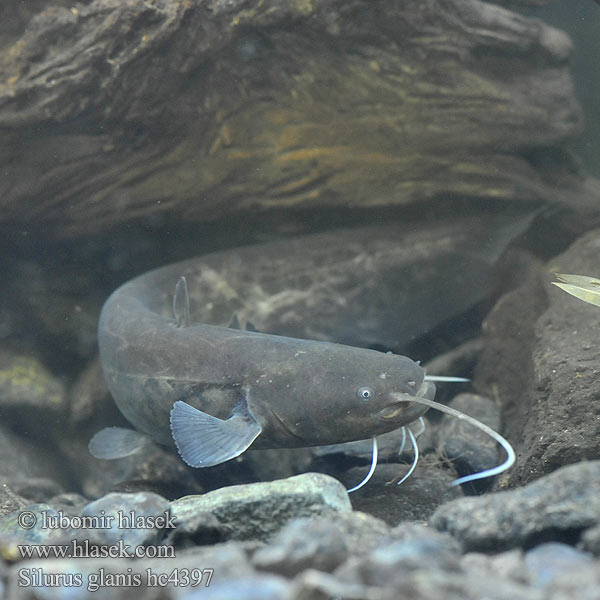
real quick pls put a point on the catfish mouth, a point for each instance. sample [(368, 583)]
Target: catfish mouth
[(404, 412)]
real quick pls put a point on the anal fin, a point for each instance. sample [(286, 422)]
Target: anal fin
[(116, 442)]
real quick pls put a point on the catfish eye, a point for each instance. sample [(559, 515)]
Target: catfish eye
[(365, 393)]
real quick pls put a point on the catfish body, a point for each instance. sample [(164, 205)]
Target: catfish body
[(214, 384)]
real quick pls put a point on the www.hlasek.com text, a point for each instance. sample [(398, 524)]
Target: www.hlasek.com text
[(87, 549)]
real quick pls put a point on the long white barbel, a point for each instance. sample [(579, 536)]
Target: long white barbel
[(511, 457), (371, 470)]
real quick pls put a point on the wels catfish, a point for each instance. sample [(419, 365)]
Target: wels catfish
[(215, 391)]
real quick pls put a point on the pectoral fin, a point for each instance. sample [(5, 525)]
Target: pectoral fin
[(116, 442), (204, 440)]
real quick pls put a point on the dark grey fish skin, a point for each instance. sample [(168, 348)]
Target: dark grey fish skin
[(300, 392)]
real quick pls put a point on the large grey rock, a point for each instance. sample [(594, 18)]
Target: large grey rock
[(540, 359), (556, 507), (563, 425), (364, 286), (258, 510)]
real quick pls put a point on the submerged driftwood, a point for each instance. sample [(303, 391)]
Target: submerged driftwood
[(120, 109)]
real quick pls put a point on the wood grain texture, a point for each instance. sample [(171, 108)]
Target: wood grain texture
[(121, 109)]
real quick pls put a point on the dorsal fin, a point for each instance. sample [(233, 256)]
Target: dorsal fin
[(234, 322), (181, 304), (250, 327)]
